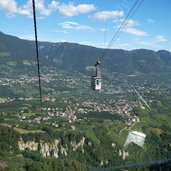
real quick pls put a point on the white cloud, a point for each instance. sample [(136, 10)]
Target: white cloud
[(26, 9), (135, 32), (61, 31), (150, 20), (160, 38), (103, 29), (128, 27), (105, 15), (9, 6), (75, 26), (42, 10), (71, 10), (130, 22), (153, 43), (84, 27), (70, 23), (53, 5)]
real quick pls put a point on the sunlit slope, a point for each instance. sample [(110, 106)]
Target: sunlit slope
[(77, 57)]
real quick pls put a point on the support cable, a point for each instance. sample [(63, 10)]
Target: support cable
[(37, 52), (133, 165), (123, 24)]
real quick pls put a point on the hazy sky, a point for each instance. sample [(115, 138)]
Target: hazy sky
[(92, 22)]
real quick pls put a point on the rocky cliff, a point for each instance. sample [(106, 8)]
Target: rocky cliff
[(53, 149)]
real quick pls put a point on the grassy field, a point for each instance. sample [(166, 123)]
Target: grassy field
[(24, 131), (25, 114), (90, 134)]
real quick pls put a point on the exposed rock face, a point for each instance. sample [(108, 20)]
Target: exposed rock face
[(64, 151), (53, 149), (33, 146), (123, 154), (75, 145), (49, 149), (113, 145), (103, 162)]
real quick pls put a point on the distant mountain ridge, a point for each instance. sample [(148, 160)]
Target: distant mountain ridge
[(17, 53), (77, 57), (72, 55), (18, 49)]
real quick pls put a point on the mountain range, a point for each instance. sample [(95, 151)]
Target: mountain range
[(19, 52)]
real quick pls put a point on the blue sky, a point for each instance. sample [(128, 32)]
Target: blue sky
[(90, 22)]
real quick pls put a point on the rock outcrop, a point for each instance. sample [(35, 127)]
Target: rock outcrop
[(49, 149), (123, 154), (75, 145), (53, 149), (31, 145)]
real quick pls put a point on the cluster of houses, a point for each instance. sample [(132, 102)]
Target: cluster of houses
[(6, 100)]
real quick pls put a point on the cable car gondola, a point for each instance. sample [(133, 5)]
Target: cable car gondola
[(96, 80)]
